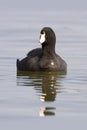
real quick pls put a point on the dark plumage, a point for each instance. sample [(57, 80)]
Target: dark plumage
[(44, 58)]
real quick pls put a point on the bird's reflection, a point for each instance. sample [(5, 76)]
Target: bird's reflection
[(46, 85), (47, 111)]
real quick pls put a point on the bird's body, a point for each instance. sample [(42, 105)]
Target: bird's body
[(45, 58)]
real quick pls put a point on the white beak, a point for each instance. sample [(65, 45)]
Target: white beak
[(42, 38)]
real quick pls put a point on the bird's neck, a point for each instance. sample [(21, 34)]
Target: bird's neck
[(48, 50)]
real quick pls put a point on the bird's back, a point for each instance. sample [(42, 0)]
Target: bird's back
[(30, 62)]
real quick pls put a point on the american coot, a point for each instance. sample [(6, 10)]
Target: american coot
[(45, 58)]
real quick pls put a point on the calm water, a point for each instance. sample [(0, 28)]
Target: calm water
[(43, 100)]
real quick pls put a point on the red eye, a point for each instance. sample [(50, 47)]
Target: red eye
[(42, 32)]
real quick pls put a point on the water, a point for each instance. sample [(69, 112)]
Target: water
[(43, 100)]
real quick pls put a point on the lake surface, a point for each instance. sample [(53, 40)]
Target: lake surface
[(43, 100)]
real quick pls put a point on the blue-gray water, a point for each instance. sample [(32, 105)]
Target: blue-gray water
[(43, 100)]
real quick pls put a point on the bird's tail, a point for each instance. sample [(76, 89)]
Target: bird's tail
[(18, 64)]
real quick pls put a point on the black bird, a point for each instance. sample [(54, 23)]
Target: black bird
[(45, 58)]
